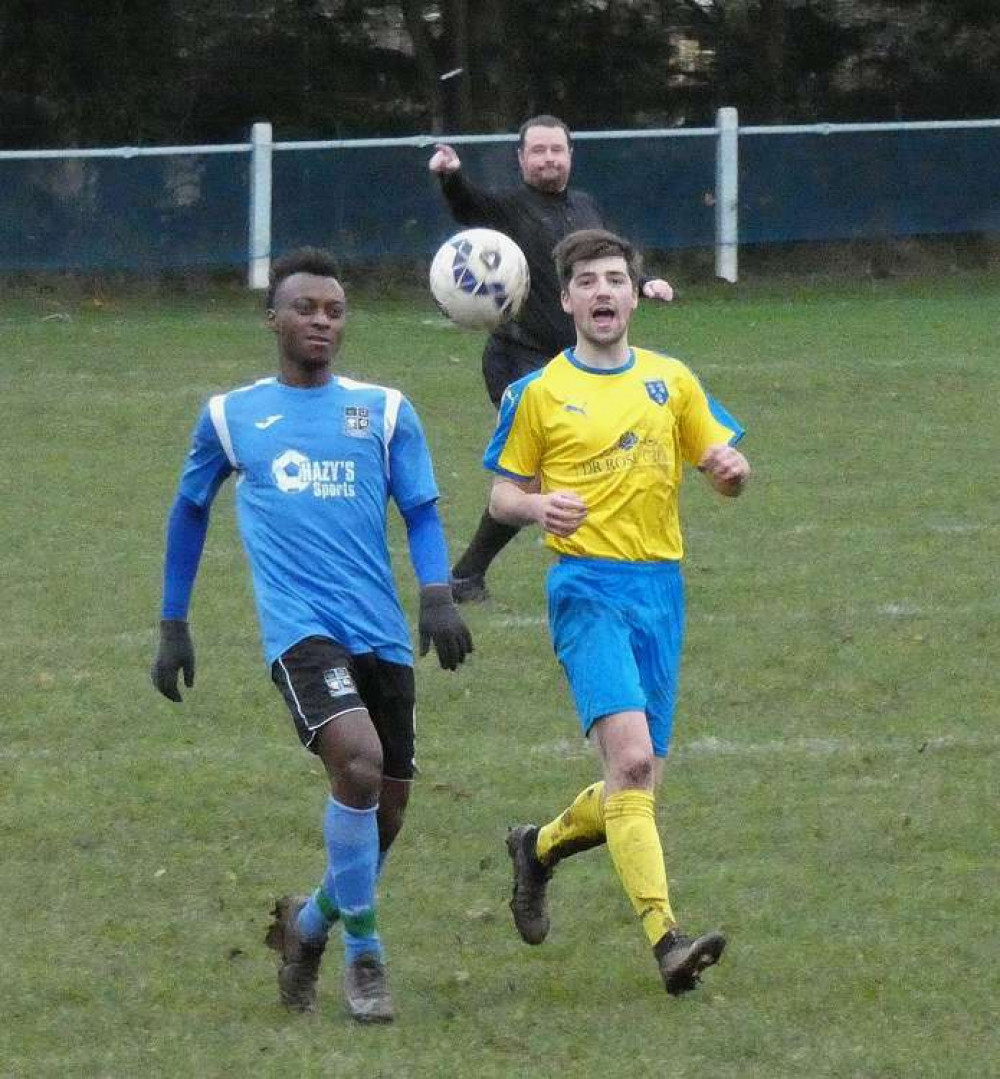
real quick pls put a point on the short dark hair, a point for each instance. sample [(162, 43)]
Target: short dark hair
[(587, 244), (544, 120), (313, 260)]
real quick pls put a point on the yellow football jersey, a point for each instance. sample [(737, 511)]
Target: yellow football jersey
[(619, 439)]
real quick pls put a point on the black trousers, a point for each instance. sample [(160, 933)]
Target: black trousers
[(505, 362)]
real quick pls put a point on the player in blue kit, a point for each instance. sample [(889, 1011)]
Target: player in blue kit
[(592, 448), (317, 459)]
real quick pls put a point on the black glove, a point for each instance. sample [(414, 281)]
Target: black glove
[(441, 623), (176, 653)]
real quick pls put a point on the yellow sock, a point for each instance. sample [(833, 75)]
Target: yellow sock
[(578, 828), (635, 848)]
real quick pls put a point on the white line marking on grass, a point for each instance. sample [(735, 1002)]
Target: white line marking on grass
[(830, 747), (515, 621), (962, 528), (732, 618), (772, 616), (711, 746), (564, 749), (899, 610), (184, 754), (853, 529), (572, 749), (138, 636)]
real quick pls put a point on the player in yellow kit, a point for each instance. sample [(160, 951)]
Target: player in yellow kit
[(592, 448)]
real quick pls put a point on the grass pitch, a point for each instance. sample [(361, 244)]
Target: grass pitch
[(830, 802)]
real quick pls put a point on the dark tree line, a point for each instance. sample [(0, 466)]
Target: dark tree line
[(132, 72)]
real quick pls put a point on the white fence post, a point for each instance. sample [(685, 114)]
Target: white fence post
[(260, 206), (727, 194)]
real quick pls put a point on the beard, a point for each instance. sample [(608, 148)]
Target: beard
[(550, 182)]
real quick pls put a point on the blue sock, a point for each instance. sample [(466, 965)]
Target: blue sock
[(321, 909), (352, 858), (318, 914)]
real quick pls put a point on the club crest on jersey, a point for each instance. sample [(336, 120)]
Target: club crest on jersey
[(657, 390), (356, 421), (339, 681)]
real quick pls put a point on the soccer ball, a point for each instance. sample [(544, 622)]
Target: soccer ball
[(479, 278)]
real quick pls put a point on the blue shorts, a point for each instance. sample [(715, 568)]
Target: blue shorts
[(618, 630)]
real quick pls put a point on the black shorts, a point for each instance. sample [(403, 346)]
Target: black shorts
[(321, 680), (505, 362)]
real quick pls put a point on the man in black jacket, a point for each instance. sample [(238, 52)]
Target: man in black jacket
[(536, 215)]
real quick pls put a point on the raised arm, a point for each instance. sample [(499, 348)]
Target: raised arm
[(656, 288), (467, 204), (445, 160)]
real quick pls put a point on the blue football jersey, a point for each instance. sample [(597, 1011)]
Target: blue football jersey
[(315, 471)]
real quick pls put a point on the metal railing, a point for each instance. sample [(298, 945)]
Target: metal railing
[(727, 199)]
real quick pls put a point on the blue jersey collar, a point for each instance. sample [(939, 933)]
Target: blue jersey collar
[(629, 363)]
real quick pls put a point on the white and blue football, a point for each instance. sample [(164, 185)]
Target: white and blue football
[(479, 278)]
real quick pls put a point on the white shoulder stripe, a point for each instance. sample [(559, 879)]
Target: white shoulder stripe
[(354, 384), (393, 399), (266, 381), (217, 412)]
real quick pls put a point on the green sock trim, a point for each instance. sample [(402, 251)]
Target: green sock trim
[(361, 924), (326, 908)]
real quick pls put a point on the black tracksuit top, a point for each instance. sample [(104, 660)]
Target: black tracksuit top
[(536, 221)]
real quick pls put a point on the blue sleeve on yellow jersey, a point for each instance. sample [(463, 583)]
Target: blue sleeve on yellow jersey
[(508, 410), (722, 415), (719, 412)]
